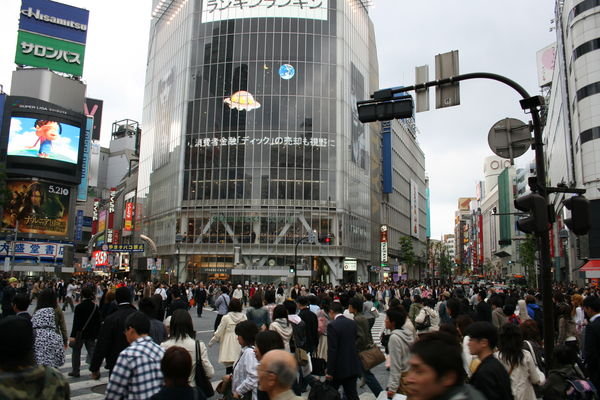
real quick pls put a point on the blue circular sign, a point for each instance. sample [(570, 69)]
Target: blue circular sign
[(287, 72)]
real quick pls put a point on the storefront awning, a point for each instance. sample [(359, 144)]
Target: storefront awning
[(591, 265)]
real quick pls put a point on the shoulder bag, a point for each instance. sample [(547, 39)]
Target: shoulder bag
[(200, 377), (78, 336), (371, 357)]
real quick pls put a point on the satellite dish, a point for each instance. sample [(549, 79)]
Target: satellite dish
[(510, 138)]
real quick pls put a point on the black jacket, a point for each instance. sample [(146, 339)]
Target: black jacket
[(492, 380), (483, 312), (312, 329), (111, 340), (80, 317), (591, 351), (342, 357)]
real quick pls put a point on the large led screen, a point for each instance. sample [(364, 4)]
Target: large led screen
[(37, 208), (43, 138)]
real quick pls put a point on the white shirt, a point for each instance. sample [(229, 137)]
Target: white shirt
[(162, 292)]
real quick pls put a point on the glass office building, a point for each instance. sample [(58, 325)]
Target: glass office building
[(251, 139)]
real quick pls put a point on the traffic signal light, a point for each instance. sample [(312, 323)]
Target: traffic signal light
[(580, 221), (292, 269), (385, 110), (536, 206)]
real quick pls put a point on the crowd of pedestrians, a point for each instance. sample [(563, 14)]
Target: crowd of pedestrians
[(275, 342)]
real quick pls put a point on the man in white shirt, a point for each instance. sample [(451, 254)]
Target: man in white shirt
[(71, 287)]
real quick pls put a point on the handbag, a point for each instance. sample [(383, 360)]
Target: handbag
[(79, 334), (371, 357), (302, 356), (200, 378)]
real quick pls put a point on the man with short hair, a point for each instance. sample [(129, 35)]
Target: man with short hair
[(111, 339), (8, 294), (436, 370), (343, 364), (276, 375), (200, 298), (591, 343), (491, 377), (20, 305), (20, 377), (86, 323), (137, 373)]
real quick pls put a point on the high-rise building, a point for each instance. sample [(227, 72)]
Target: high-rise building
[(252, 140)]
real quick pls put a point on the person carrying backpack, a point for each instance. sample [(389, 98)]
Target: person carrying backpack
[(566, 380)]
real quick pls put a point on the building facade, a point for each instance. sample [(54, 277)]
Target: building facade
[(252, 141)]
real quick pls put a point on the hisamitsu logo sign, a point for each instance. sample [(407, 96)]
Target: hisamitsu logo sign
[(55, 20)]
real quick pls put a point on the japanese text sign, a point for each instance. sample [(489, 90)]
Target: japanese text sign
[(219, 10), (45, 52)]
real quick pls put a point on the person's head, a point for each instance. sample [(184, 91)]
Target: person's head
[(181, 326), (302, 301), (267, 341), (290, 306), (109, 297), (530, 331), (496, 302), (395, 318), (334, 309), (224, 289), (395, 303), (176, 366), (576, 300), (530, 299), (508, 310), (591, 306), (14, 282), (483, 337), (123, 295), (137, 325), (280, 312), (46, 298), (276, 372), (435, 366), (356, 305), (16, 343), (87, 292), (48, 130), (246, 332), (564, 355), (453, 307), (510, 344), (175, 292), (21, 302), (270, 296), (256, 300), (147, 306), (235, 305)]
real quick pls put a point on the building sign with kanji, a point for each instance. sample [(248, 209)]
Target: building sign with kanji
[(45, 52), (32, 249), (262, 141), (126, 248), (219, 10)]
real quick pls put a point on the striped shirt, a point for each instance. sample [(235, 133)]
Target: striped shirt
[(137, 373)]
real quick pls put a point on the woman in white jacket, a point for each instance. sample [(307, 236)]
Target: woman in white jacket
[(229, 350), (421, 318), (183, 335), (518, 362), (245, 378)]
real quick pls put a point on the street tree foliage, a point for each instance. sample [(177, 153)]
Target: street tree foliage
[(407, 252), (527, 249)]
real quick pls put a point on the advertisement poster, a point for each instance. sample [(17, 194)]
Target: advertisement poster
[(102, 221), (37, 207), (52, 140), (358, 140), (414, 209), (128, 216)]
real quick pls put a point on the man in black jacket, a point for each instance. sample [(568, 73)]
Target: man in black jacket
[(591, 346), (312, 324), (112, 340), (343, 364), (86, 319), (200, 298), (491, 377)]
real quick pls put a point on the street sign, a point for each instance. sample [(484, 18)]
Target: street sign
[(312, 237), (125, 248), (422, 76), (509, 138), (446, 66)]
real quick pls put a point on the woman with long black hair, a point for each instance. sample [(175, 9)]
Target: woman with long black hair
[(518, 362)]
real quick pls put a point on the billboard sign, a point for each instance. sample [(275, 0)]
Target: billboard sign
[(219, 10), (102, 221), (546, 60), (93, 108), (54, 19), (32, 249), (414, 209), (82, 189), (126, 248), (128, 216), (100, 258), (47, 52), (350, 264), (37, 208), (79, 225)]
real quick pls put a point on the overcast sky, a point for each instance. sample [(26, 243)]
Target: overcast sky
[(491, 36)]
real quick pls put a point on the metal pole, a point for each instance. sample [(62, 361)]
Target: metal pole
[(296, 260), (14, 247)]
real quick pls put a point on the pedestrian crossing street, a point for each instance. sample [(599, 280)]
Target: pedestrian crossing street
[(86, 388)]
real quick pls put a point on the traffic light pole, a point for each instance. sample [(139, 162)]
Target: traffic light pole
[(296, 259), (532, 105)]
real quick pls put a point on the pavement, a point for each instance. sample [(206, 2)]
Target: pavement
[(86, 388)]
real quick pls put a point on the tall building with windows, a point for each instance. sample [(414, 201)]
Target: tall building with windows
[(251, 139)]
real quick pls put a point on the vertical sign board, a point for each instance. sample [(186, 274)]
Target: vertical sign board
[(414, 209), (446, 66), (82, 189), (111, 215), (95, 216), (384, 243), (93, 109), (52, 35), (79, 225)]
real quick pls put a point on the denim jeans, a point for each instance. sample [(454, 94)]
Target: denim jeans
[(372, 382)]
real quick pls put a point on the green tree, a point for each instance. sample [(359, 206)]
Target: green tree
[(527, 249), (407, 252)]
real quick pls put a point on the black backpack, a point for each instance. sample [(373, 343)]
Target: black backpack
[(298, 336)]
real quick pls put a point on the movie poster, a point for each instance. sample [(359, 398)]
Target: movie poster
[(37, 207), (358, 143)]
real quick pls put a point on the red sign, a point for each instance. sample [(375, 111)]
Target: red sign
[(128, 216), (115, 236), (100, 258)]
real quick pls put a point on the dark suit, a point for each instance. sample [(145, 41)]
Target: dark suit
[(343, 363), (111, 340), (312, 329), (200, 297), (591, 350)]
